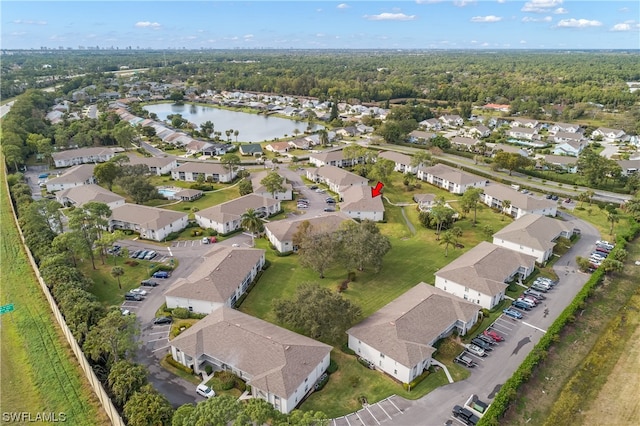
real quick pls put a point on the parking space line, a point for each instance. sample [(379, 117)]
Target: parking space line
[(374, 417), (475, 356), (383, 410), (158, 340), (159, 332), (533, 326), (159, 349), (392, 403)]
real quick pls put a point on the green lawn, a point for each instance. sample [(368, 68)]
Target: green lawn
[(412, 259), (105, 287), (39, 373)]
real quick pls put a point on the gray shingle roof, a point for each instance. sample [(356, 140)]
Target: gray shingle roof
[(233, 209), (406, 328), (452, 175), (485, 268), (146, 217), (518, 199), (396, 157), (220, 273), (283, 230), (74, 174), (358, 198), (81, 195), (277, 360), (534, 231)]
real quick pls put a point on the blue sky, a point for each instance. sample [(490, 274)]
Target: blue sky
[(421, 24)]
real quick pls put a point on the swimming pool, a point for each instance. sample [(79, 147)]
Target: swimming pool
[(166, 192)]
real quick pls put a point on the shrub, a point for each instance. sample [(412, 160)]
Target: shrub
[(416, 381), (212, 232), (208, 369), (172, 362), (352, 276), (345, 348), (343, 286), (333, 367), (181, 313), (172, 236), (227, 379), (266, 265)]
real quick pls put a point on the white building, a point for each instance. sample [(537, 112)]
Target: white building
[(333, 158), (222, 276), (260, 189), (519, 204), (280, 366), (280, 233), (80, 195), (73, 157), (337, 179), (399, 339), (215, 172), (453, 180), (481, 274), (358, 203), (226, 217), (150, 222), (157, 165), (534, 235), (402, 162), (72, 177)]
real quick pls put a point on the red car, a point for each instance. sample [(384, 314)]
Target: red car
[(495, 336)]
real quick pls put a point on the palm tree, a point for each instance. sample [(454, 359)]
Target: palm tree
[(589, 194), (612, 217), (506, 204), (117, 272), (250, 221), (448, 238), (324, 137), (236, 133)]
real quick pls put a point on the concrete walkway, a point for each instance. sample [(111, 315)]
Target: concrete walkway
[(444, 367)]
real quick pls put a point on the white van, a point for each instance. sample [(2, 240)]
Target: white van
[(206, 391)]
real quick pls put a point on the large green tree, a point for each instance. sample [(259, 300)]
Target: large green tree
[(316, 249), (106, 173), (230, 162), (470, 200), (148, 407), (511, 161), (125, 379), (112, 338), (274, 183), (362, 245), (313, 310)]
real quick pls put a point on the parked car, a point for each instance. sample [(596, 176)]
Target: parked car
[(161, 274), (329, 209), (330, 200), (320, 191), (494, 335), (541, 284), (547, 280), (302, 206), (132, 297), (487, 339), (205, 240), (125, 312), (465, 415), (603, 250), (163, 320), (539, 287), (150, 255), (134, 254), (531, 299), (476, 350), (303, 200), (531, 303), (142, 254), (520, 305), (205, 391), (148, 283), (554, 197), (465, 360), (139, 291), (313, 187), (481, 343), (535, 294), (512, 313)]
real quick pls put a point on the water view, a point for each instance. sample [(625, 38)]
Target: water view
[(250, 127)]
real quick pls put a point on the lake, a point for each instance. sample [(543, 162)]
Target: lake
[(251, 127)]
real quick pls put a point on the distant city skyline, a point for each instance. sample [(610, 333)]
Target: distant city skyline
[(417, 24)]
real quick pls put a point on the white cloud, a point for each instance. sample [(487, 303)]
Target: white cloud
[(463, 3), (523, 41), (560, 11), (390, 17), (621, 27), (531, 19), (626, 26), (579, 23), (320, 35), (18, 33), (248, 36), (488, 18), (501, 1), (343, 6), (147, 24), (29, 22), (541, 6), (428, 1)]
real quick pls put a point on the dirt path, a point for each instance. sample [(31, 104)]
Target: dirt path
[(412, 228)]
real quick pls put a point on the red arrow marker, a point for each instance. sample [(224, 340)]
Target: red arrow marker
[(377, 190)]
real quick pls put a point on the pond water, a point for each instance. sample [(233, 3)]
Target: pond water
[(251, 127)]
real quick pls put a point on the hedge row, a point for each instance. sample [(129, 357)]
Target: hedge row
[(509, 390)]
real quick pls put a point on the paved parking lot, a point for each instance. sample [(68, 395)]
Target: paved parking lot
[(390, 409)]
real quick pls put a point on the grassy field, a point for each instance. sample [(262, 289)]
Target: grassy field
[(592, 365), (414, 257), (38, 370)]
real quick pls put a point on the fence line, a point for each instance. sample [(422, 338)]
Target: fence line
[(97, 387)]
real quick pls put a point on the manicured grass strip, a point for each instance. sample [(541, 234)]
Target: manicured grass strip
[(39, 371)]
